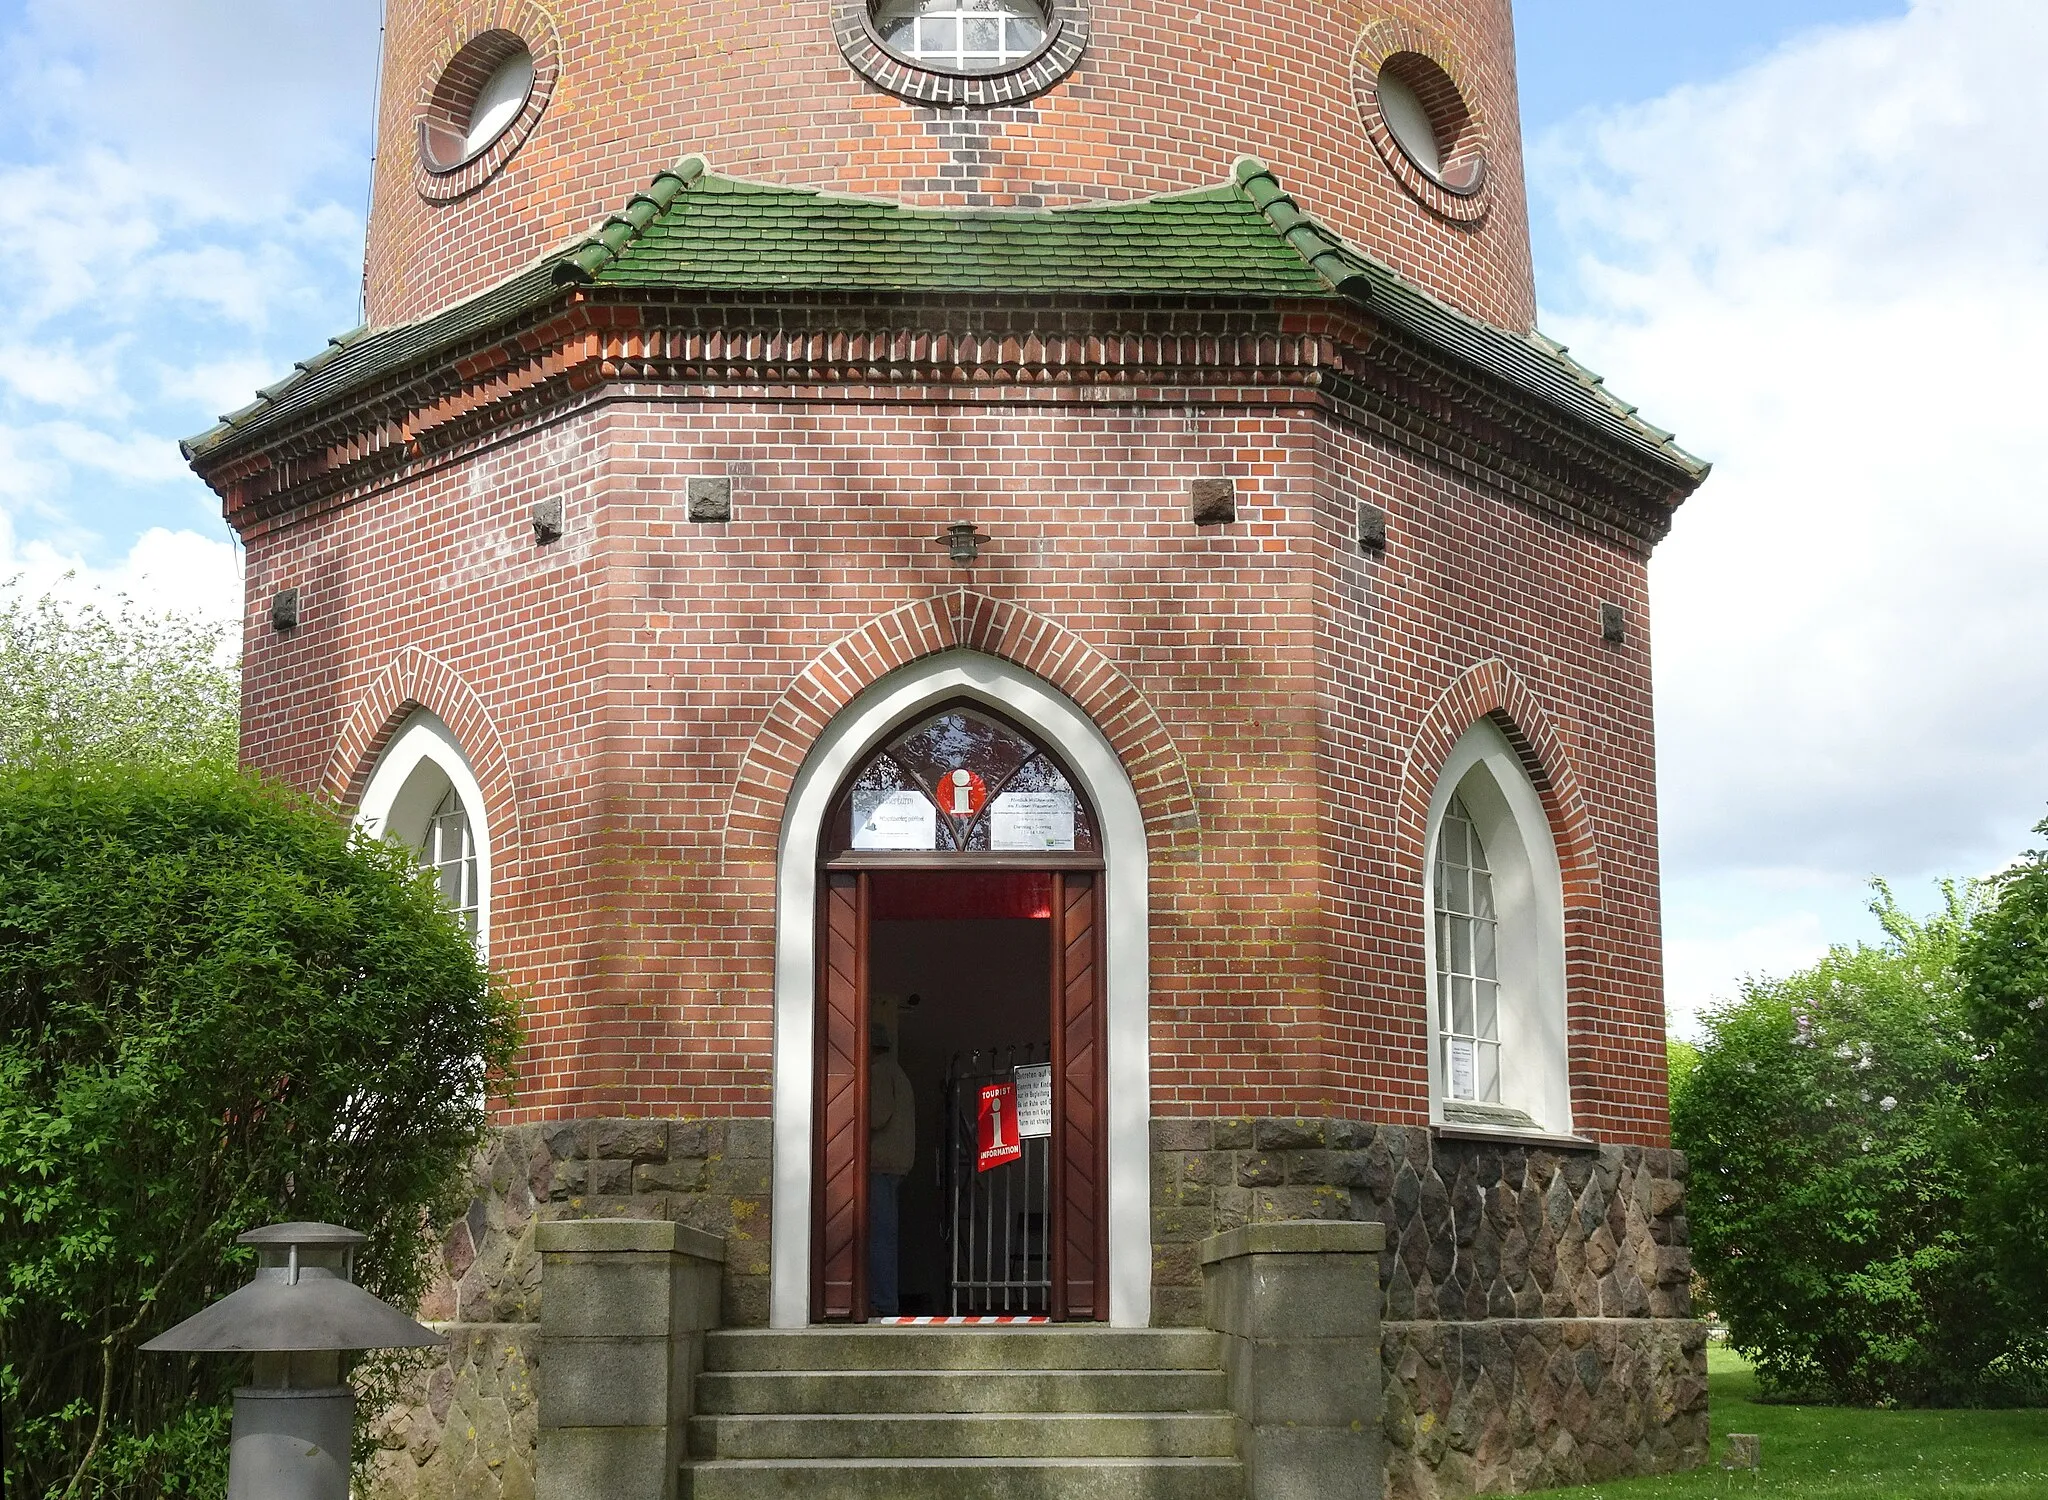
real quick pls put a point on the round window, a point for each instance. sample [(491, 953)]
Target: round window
[(478, 110), (962, 52), (1418, 119), (962, 36)]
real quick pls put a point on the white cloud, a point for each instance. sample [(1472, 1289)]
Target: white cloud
[(1830, 272), (163, 570)]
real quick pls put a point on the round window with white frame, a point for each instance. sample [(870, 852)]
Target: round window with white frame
[(962, 52), (424, 796), (1496, 945)]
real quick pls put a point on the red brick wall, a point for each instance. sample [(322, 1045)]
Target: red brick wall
[(612, 687), (1165, 99)]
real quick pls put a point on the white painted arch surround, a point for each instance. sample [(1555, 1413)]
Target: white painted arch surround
[(1528, 890), (413, 774), (859, 728)]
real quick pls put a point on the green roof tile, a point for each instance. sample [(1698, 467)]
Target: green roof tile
[(693, 230)]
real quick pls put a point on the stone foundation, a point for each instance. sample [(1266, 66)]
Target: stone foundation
[(1537, 1313), (1536, 1298), (467, 1428)]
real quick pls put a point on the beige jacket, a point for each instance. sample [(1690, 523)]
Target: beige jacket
[(892, 1118)]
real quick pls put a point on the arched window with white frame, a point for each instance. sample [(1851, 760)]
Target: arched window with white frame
[(424, 795), (1495, 898)]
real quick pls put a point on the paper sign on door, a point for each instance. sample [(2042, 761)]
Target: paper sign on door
[(1034, 1100), (998, 1121)]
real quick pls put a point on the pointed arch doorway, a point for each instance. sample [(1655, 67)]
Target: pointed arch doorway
[(960, 1142), (1087, 964)]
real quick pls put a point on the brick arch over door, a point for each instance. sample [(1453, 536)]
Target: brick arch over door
[(960, 618), (413, 679), (1489, 690)]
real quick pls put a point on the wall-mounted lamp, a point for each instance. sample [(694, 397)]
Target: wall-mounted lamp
[(962, 542)]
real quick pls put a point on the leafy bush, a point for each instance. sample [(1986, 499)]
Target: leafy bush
[(2004, 967), (1835, 1172), (218, 1008)]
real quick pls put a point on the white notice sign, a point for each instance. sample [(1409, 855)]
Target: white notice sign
[(1034, 1101), (1461, 1069), (1032, 820), (894, 820)]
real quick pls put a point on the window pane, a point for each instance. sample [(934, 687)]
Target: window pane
[(981, 36), (1023, 37), (1482, 894), (1461, 946), (1486, 1000), (1461, 1006), (937, 35), (1451, 840), (1484, 963), (1457, 889), (1489, 1072)]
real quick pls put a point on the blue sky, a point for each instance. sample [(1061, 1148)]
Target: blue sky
[(1774, 225)]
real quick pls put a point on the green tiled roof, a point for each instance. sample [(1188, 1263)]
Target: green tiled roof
[(693, 230), (720, 234)]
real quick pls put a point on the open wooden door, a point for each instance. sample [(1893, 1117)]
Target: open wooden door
[(1080, 1156), (839, 1208)]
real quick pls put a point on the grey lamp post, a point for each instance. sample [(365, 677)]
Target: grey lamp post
[(298, 1316)]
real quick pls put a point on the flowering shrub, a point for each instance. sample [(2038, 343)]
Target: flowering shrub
[(1837, 1172)]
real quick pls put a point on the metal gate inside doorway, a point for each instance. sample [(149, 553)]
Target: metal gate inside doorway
[(998, 1222)]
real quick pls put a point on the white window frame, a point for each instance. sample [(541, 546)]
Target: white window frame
[(1486, 774), (416, 770)]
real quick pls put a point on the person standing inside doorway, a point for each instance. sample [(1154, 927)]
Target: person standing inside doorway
[(892, 1152)]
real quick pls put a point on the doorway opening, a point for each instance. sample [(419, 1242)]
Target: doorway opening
[(961, 1121), (959, 983)]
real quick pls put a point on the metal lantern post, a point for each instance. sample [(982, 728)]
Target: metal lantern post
[(299, 1315)]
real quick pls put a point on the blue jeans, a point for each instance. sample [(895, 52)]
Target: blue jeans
[(883, 1191)]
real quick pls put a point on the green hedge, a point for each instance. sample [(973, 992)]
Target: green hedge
[(218, 1008)]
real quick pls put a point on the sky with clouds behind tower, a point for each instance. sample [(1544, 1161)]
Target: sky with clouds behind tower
[(1811, 235)]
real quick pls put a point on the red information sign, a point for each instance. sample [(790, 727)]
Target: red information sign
[(998, 1120), (961, 793)]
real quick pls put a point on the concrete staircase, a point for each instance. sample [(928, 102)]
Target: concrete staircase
[(1059, 1413)]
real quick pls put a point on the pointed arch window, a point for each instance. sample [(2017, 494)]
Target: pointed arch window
[(1495, 900), (424, 796), (962, 782)]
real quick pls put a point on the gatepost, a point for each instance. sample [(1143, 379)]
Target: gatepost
[(1298, 1305), (624, 1307)]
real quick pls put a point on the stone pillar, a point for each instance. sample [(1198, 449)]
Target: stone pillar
[(624, 1307), (1298, 1305)]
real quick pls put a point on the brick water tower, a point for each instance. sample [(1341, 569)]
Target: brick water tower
[(929, 551)]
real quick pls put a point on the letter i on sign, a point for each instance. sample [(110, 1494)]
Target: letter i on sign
[(997, 1126)]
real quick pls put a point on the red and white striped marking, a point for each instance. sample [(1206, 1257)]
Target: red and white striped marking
[(958, 1322)]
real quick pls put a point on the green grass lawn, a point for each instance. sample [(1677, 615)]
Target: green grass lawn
[(1844, 1453)]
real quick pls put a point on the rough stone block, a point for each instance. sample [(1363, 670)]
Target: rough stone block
[(629, 1140)]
